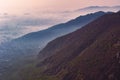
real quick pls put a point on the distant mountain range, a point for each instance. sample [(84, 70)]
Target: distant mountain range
[(35, 40), (90, 53), (99, 8)]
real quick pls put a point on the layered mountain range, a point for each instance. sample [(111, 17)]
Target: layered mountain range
[(23, 50), (90, 53), (41, 38)]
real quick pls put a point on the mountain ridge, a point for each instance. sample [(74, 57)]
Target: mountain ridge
[(91, 56)]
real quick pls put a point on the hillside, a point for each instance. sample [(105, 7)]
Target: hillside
[(23, 50), (90, 53)]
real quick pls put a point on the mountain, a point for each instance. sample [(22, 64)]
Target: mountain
[(23, 50), (90, 53), (97, 8)]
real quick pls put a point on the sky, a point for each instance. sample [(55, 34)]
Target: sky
[(20, 17), (17, 6)]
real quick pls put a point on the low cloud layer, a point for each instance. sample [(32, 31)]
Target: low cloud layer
[(13, 26)]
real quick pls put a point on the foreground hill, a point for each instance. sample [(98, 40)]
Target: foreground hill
[(21, 51), (90, 53)]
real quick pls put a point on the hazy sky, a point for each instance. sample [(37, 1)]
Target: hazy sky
[(14, 6)]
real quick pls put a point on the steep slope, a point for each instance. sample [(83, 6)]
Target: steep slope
[(21, 51), (90, 53)]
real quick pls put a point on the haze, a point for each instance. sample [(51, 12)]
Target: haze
[(19, 17)]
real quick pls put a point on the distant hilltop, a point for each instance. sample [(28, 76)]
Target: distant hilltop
[(102, 8)]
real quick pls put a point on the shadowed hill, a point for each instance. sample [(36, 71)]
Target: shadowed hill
[(90, 53)]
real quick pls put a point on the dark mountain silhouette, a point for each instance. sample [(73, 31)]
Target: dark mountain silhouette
[(90, 53)]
